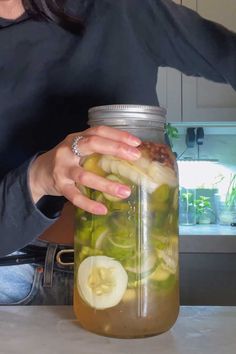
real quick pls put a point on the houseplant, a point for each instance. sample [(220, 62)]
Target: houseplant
[(230, 200), (226, 208), (204, 210), (187, 207)]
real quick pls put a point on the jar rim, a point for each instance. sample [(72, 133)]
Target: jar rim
[(126, 113), (129, 108)]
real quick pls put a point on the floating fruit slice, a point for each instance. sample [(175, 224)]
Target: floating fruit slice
[(101, 281)]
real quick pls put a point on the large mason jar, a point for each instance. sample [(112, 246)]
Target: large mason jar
[(126, 262)]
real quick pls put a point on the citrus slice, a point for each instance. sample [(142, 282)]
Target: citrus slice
[(101, 281)]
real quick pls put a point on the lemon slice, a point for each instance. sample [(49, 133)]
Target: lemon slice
[(101, 281)]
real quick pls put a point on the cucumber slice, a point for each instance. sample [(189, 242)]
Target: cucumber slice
[(128, 170), (97, 235), (118, 247), (91, 164), (110, 197), (160, 274), (143, 263), (161, 194), (169, 256), (101, 282), (100, 239)]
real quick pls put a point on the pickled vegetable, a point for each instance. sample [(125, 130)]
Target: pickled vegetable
[(101, 281), (139, 234)]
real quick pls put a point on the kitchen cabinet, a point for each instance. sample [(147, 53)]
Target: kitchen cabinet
[(191, 99), (204, 100), (169, 91), (208, 265)]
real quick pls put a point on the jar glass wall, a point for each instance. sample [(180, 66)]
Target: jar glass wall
[(126, 262)]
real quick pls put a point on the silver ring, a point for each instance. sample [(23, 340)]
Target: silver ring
[(74, 145)]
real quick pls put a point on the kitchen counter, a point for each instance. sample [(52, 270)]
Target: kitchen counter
[(54, 330), (207, 239), (207, 229)]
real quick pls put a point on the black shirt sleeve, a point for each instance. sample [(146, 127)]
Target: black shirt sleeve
[(21, 221), (178, 37)]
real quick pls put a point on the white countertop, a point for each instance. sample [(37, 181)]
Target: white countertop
[(54, 330)]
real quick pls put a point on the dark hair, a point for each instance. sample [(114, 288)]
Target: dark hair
[(54, 10)]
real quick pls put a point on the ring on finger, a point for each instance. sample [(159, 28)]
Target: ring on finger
[(74, 146)]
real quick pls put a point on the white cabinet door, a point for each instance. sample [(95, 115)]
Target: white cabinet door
[(169, 91), (204, 100)]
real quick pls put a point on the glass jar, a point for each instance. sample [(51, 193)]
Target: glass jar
[(126, 262)]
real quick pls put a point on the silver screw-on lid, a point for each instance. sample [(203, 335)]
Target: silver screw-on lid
[(124, 114)]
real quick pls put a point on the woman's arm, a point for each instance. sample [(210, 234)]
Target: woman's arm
[(20, 219), (33, 195), (178, 37)]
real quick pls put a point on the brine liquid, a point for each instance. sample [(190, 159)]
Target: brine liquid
[(141, 233), (149, 313)]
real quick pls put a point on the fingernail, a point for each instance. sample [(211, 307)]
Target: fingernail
[(123, 192), (101, 210), (135, 141), (134, 153)]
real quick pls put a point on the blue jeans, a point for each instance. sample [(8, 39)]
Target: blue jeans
[(25, 285)]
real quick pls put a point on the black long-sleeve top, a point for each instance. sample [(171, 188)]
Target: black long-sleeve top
[(49, 78)]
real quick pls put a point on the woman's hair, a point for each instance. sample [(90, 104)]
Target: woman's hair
[(54, 10)]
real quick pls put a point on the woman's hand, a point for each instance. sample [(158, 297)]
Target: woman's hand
[(57, 171)]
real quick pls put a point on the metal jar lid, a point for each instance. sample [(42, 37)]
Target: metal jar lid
[(126, 114)]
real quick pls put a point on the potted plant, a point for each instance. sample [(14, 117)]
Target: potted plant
[(187, 206), (226, 209), (204, 210), (230, 200)]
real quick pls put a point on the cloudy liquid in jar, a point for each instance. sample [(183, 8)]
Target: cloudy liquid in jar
[(126, 262)]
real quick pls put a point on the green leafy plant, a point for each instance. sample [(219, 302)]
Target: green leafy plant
[(202, 204), (204, 210), (230, 200), (187, 197), (171, 133)]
